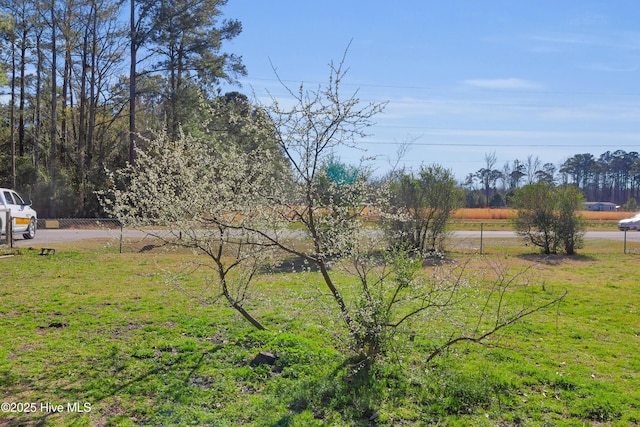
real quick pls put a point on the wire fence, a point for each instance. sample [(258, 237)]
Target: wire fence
[(484, 237), (499, 236), (80, 223)]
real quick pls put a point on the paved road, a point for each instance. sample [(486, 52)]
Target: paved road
[(44, 236)]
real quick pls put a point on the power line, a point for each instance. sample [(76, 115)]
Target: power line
[(520, 130), (468, 145), (433, 88)]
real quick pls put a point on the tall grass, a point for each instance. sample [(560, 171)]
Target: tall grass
[(484, 214), (507, 214)]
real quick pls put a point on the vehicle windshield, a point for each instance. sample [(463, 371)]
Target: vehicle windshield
[(18, 199)]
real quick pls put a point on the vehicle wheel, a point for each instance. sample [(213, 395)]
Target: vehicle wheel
[(31, 231)]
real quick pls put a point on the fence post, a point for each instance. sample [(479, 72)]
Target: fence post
[(625, 242), (9, 229), (121, 233), (3, 219), (481, 235)]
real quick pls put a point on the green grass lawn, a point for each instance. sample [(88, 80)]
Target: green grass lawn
[(89, 336)]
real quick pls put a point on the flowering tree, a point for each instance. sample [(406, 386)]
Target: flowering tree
[(308, 133), (394, 291), (203, 197)]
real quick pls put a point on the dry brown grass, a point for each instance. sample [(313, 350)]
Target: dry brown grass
[(606, 216), (500, 214), (484, 213)]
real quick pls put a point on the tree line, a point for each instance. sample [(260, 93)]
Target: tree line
[(614, 176), (85, 78)]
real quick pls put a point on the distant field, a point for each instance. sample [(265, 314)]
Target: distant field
[(506, 214)]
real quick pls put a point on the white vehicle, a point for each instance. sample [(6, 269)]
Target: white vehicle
[(24, 218), (632, 223)]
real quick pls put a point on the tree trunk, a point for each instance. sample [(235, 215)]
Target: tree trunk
[(23, 59), (64, 98), (12, 119), (52, 161), (132, 85), (38, 112), (92, 92), (236, 306), (82, 115)]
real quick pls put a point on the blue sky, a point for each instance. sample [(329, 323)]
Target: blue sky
[(463, 78)]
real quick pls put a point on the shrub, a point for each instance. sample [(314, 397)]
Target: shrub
[(548, 217), (630, 205), (421, 205)]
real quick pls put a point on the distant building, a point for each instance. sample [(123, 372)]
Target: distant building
[(601, 206)]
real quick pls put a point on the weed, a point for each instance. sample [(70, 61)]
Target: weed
[(601, 409), (461, 390)]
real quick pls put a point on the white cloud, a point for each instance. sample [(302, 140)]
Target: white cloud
[(618, 40), (594, 112), (503, 84), (610, 68), (567, 39)]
